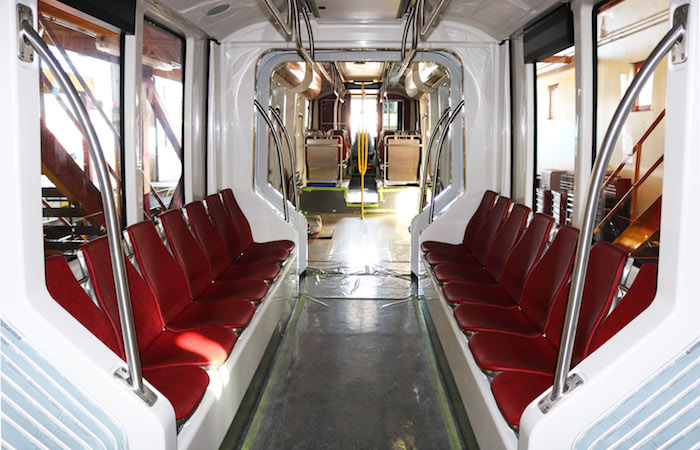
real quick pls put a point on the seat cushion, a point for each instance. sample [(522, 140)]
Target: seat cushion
[(281, 244), (232, 314), (454, 272), (474, 317), (514, 391), (460, 259), (204, 346), (435, 246), (262, 255), (489, 294), (183, 386), (500, 351), (259, 271), (251, 290)]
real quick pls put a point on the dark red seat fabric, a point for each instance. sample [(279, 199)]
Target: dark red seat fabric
[(243, 226), (229, 233), (159, 346), (489, 271), (215, 248), (519, 258), (168, 283), (544, 280), (470, 232), (515, 390), (182, 386), (500, 351), (195, 264), (488, 230)]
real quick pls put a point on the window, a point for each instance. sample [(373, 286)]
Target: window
[(627, 32), (390, 115), (163, 109), (556, 135), (71, 197)]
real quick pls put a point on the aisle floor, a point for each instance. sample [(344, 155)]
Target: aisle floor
[(355, 368)]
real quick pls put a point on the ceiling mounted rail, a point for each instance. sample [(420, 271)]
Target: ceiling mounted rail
[(674, 41), (30, 41)]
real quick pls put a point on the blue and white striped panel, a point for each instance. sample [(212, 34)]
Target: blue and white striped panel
[(664, 413), (43, 409)]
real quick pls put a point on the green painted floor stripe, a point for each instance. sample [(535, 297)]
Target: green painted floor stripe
[(447, 416), (255, 425)]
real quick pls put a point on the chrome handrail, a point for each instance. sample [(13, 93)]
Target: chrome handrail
[(424, 182), (594, 186), (443, 135), (278, 119), (278, 147), (286, 26), (121, 283)]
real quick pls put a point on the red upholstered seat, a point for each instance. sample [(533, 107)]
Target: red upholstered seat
[(484, 238), (194, 262), (243, 226), (515, 390), (470, 232), (502, 243), (215, 249), (182, 386), (159, 347), (500, 351), (544, 280), (168, 283), (517, 263), (234, 244)]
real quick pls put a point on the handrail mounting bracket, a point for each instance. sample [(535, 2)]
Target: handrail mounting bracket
[(679, 52), (25, 51), (547, 402), (147, 395)]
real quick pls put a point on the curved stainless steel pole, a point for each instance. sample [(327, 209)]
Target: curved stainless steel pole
[(310, 33), (424, 181), (594, 186), (278, 119), (121, 283), (404, 39), (443, 135), (276, 138)]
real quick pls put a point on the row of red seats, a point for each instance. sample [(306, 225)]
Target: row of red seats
[(188, 304), (510, 296)]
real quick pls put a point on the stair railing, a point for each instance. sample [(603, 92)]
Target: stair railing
[(133, 378), (562, 384), (636, 151), (424, 181), (278, 147), (436, 165), (279, 121)]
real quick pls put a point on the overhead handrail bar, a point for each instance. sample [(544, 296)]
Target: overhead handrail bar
[(278, 119), (407, 55), (286, 26), (443, 135), (427, 25), (573, 307), (636, 148), (135, 379), (278, 147), (424, 182)]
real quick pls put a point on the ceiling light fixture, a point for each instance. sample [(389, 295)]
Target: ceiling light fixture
[(218, 9)]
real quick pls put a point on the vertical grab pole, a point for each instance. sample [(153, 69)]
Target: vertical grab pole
[(594, 186), (292, 155), (362, 154), (441, 141), (278, 147), (424, 181), (121, 283)]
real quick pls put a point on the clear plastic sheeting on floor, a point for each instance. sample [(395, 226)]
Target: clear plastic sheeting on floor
[(369, 282)]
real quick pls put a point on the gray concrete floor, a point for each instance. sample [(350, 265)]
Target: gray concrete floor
[(356, 368)]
